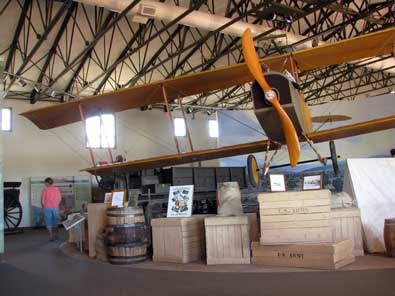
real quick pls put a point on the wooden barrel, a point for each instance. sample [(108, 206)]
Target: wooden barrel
[(126, 233), (124, 254), (389, 236), (126, 215)]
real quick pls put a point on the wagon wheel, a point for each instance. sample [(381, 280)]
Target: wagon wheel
[(12, 216)]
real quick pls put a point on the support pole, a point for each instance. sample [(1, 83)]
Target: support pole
[(186, 124), (82, 116), (170, 117), (80, 235)]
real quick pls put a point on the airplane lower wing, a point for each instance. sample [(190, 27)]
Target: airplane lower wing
[(241, 149), (176, 159)]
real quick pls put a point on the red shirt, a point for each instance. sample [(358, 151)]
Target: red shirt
[(50, 197)]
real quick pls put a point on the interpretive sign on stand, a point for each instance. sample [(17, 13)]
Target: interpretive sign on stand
[(74, 220)]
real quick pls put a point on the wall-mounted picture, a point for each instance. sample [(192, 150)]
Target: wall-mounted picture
[(180, 201), (118, 198), (107, 197), (312, 182), (277, 182)]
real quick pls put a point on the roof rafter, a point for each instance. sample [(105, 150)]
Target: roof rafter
[(52, 51), (14, 43), (66, 5)]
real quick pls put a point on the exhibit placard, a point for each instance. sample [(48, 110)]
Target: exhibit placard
[(180, 201), (75, 190)]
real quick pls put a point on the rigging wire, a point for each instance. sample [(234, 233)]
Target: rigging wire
[(141, 133), (70, 147), (243, 123)]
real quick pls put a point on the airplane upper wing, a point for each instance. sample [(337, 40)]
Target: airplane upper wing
[(370, 45), (241, 149)]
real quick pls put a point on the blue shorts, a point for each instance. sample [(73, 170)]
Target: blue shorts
[(51, 217)]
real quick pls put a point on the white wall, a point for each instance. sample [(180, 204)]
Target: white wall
[(1, 197), (29, 151)]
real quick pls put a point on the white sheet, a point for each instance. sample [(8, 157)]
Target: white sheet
[(372, 182)]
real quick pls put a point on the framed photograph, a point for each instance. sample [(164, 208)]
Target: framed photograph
[(107, 197), (312, 182), (118, 198), (277, 182), (180, 201)]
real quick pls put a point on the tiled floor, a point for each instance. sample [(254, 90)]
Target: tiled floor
[(34, 266)]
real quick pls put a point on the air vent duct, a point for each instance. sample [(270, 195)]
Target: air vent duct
[(147, 10)]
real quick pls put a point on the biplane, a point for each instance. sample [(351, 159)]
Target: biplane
[(279, 105)]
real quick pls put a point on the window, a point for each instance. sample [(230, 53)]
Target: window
[(100, 131), (6, 119), (213, 128), (179, 127)]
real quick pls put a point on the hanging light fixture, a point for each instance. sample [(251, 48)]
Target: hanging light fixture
[(21, 82)]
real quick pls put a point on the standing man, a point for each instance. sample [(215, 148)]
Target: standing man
[(50, 200)]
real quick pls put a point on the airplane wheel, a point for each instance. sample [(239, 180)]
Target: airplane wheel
[(335, 165), (253, 170)]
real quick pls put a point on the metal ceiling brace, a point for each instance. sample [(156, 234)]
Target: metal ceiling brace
[(15, 40), (66, 5), (52, 51)]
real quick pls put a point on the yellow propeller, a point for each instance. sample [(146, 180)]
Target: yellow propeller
[(255, 68)]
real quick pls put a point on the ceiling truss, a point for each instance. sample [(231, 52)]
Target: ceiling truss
[(58, 45)]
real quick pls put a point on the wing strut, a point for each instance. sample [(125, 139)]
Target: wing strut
[(186, 124), (86, 134), (170, 117), (311, 143)]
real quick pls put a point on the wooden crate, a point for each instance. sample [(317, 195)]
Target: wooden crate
[(96, 224), (227, 240), (295, 217), (320, 256), (346, 224), (179, 240), (254, 226)]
